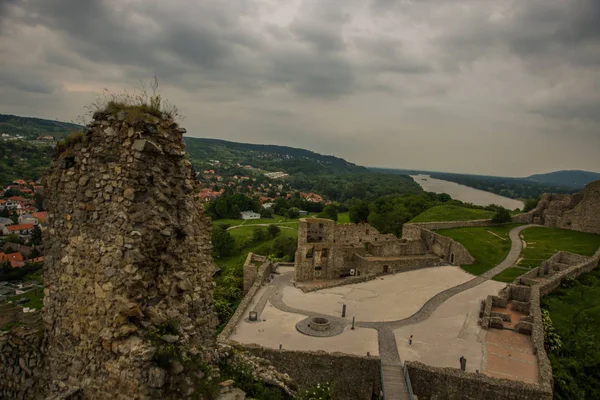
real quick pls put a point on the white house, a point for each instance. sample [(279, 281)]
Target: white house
[(267, 205), (250, 215), (28, 219)]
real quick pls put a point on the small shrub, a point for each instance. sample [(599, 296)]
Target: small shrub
[(552, 340), (319, 392), (273, 230), (501, 216), (71, 140)]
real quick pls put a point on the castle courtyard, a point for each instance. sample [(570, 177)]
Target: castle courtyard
[(385, 303)]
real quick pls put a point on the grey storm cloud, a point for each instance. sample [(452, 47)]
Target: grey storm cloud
[(381, 78)]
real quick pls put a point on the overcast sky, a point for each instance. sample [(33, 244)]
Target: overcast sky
[(496, 87)]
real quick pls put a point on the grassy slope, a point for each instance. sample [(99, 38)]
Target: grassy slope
[(542, 243), (488, 245), (243, 234), (452, 213), (343, 218), (575, 312)]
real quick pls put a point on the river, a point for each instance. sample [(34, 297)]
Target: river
[(465, 193)]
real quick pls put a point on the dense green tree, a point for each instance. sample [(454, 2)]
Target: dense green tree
[(329, 212), (530, 204), (285, 246), (39, 201), (266, 213), (273, 230), (501, 216), (223, 243), (4, 213), (359, 211), (36, 236), (12, 238), (259, 234), (293, 212), (444, 197)]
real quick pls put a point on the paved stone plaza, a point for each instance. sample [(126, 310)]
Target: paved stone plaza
[(451, 331)]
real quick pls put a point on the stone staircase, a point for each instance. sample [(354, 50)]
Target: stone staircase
[(394, 384)]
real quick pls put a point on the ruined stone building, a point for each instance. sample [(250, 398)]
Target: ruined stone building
[(327, 250), (128, 269), (579, 211)]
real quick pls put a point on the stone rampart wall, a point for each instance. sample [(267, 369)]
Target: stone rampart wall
[(367, 265), (578, 212), (433, 383), (525, 294), (261, 276), (546, 380), (22, 372), (570, 273), (432, 226), (442, 246), (342, 282), (250, 269), (395, 248), (352, 377)]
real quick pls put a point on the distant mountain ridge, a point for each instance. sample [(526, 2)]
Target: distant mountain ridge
[(570, 178), (30, 128)]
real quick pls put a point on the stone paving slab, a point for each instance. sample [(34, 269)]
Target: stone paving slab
[(450, 332)]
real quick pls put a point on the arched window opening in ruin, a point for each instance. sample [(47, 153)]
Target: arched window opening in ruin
[(367, 232), (318, 268), (386, 269), (324, 253), (451, 258), (309, 253)]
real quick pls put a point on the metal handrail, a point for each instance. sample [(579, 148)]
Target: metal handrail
[(382, 382), (411, 396)]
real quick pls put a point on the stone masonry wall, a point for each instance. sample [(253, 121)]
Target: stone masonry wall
[(260, 277), (432, 383), (432, 226), (22, 364), (250, 269), (128, 270), (442, 246), (352, 377), (578, 212)]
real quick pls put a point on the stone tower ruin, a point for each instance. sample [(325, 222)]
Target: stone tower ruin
[(128, 269)]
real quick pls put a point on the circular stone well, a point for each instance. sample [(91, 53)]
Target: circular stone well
[(319, 323), (320, 326)]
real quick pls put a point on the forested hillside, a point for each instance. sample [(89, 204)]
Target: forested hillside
[(327, 175), (30, 128), (268, 157), (577, 179), (21, 160)]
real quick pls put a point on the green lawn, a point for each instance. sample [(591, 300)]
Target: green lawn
[(488, 245), (510, 274), (574, 309), (452, 213), (542, 243), (277, 219), (236, 222), (35, 296), (228, 291), (343, 218)]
